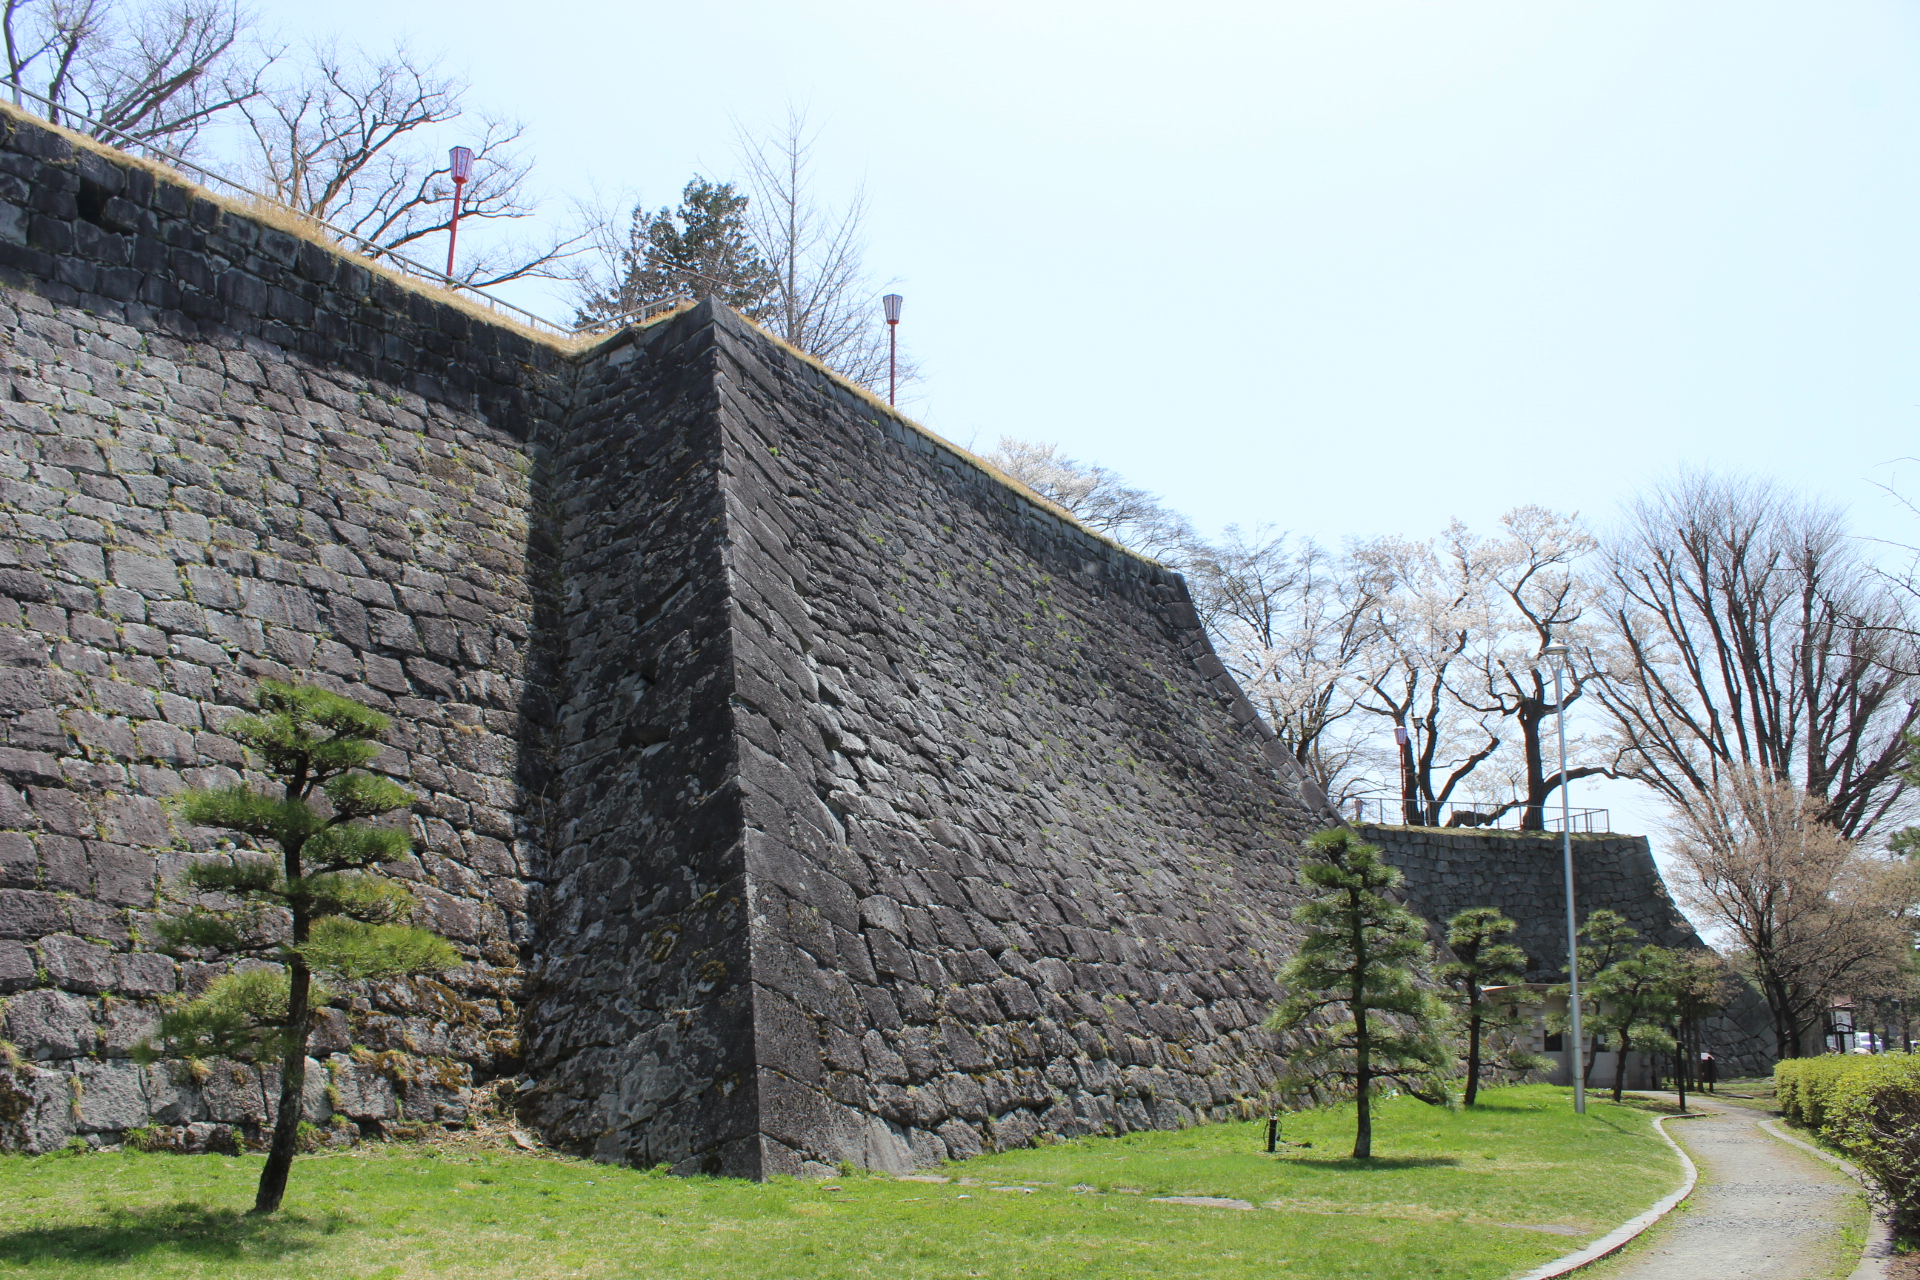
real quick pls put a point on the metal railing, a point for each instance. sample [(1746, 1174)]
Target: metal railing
[(1507, 816), (367, 248)]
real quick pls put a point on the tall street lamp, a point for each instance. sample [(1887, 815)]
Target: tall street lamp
[(460, 165), (1409, 794), (892, 304), (1555, 656)]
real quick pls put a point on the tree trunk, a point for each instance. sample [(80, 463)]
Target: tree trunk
[(1473, 1043), (293, 1087), (1533, 817), (1363, 1076), (1412, 812), (1779, 1005), (1680, 1063), (1620, 1065), (1362, 1041)]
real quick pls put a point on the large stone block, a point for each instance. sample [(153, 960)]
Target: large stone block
[(50, 1024)]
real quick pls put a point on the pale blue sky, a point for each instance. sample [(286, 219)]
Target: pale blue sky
[(1345, 267)]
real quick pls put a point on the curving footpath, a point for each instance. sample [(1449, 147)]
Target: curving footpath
[(1761, 1211)]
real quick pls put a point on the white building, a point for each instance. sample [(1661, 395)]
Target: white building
[(1547, 1010)]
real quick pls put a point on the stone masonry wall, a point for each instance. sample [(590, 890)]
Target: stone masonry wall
[(899, 817), (1523, 875), (1015, 863), (796, 790), (643, 1040), (227, 454)]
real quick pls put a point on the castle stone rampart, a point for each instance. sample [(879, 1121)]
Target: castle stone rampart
[(643, 1026), (229, 454), (1523, 875), (795, 789), (905, 822)]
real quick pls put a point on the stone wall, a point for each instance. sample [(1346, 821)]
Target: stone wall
[(796, 790), (905, 818), (1016, 864), (1523, 875), (228, 454), (643, 1031)]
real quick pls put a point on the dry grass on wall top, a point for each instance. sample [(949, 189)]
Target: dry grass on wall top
[(873, 401), (283, 218)]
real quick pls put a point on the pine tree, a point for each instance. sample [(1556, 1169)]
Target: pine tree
[(1480, 960), (1359, 957), (702, 249), (321, 906), (1609, 939), (1633, 998)]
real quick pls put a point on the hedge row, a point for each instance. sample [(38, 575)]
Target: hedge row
[(1869, 1107)]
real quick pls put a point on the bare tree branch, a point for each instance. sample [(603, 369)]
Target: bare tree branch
[(1745, 632), (157, 73), (345, 143), (1294, 624), (823, 300), (1810, 915), (1098, 498)]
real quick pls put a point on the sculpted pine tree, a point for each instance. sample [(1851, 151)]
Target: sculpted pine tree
[(321, 906), (1633, 1000), (1702, 985), (1359, 958), (1480, 961), (1609, 940)]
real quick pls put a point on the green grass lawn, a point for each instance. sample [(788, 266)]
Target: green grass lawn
[(1485, 1193)]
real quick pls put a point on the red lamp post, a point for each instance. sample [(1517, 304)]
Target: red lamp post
[(460, 163), (892, 304)]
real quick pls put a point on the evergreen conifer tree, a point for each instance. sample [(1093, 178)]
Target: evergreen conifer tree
[(1633, 999), (1609, 939), (702, 249), (320, 906), (1702, 985), (1359, 958), (1480, 960)]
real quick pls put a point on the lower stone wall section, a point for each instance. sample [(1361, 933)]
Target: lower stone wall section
[(1523, 875), (642, 1029)]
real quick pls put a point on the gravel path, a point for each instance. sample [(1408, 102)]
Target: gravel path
[(1762, 1211)]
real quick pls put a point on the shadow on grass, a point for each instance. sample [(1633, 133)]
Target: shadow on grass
[(188, 1229), (1490, 1102), (1602, 1118), (1377, 1164)]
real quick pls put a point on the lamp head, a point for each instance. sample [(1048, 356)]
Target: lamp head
[(1555, 655), (460, 161), (892, 304)]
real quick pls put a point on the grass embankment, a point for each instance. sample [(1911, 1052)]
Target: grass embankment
[(1460, 1195)]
